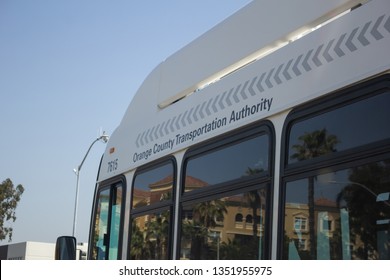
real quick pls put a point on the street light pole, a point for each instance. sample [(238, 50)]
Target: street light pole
[(104, 137)]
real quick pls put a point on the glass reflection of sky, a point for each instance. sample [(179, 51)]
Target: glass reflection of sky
[(354, 125), (325, 186), (331, 185), (231, 162), (144, 180)]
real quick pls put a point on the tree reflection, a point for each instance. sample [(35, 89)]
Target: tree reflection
[(149, 237), (210, 229), (209, 212), (352, 217), (253, 197), (367, 215), (205, 217), (312, 145)]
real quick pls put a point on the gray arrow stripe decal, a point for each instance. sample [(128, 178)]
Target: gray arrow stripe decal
[(350, 45), (235, 95), (315, 59), (242, 92), (375, 32), (251, 87), (305, 62), (259, 87), (286, 74), (326, 54), (228, 102), (208, 112), (337, 48)]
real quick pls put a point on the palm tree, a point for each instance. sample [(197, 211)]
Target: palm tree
[(254, 199), (255, 202), (209, 212), (312, 145), (359, 196), (157, 231), (136, 242), (193, 236), (205, 216)]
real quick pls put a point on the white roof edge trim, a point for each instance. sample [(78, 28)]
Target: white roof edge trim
[(263, 51)]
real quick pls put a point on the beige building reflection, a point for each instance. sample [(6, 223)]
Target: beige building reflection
[(241, 220), (338, 234)]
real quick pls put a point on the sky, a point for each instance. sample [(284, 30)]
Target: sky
[(68, 70)]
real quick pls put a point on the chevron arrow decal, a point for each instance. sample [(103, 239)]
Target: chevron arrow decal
[(305, 62), (387, 25), (214, 106), (208, 112), (337, 48), (325, 53), (235, 96), (251, 87), (286, 73), (259, 87), (277, 73), (350, 45), (295, 68)]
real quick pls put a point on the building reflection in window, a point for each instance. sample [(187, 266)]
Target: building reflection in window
[(351, 210), (150, 236), (223, 228), (150, 220)]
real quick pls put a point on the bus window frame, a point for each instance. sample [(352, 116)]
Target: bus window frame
[(337, 161), (156, 207), (236, 186), (222, 141), (340, 98), (109, 184)]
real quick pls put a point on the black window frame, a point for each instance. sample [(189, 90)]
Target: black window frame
[(110, 184), (156, 207), (335, 100), (333, 162), (236, 186)]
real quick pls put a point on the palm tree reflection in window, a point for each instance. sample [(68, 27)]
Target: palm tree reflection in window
[(312, 145), (205, 217), (226, 228), (365, 198), (150, 235)]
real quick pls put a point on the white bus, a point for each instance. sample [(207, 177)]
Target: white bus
[(268, 137)]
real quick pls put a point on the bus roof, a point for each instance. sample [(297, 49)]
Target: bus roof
[(173, 109), (241, 38)]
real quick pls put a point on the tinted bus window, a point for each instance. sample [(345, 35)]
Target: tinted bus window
[(153, 186), (347, 127), (107, 227), (150, 236), (150, 218), (338, 207), (235, 161), (339, 215), (225, 228), (225, 202)]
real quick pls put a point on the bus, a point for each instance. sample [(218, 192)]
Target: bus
[(268, 137)]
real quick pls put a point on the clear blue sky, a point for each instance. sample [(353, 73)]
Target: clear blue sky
[(67, 69)]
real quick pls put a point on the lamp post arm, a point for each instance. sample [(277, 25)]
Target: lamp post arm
[(82, 162), (103, 137)]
